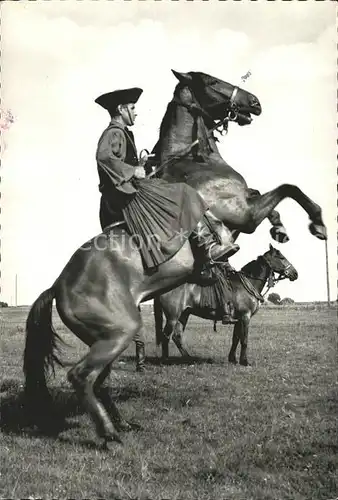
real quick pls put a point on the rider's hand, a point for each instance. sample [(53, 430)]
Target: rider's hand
[(143, 160), (139, 172)]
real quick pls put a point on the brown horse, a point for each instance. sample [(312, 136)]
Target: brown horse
[(99, 291), (97, 296), (177, 305), (198, 103)]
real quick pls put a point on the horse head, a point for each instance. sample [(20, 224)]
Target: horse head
[(279, 264), (219, 99)]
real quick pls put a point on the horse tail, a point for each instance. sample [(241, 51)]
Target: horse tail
[(41, 344), (158, 314)]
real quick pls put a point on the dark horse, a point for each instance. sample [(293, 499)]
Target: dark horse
[(98, 292), (247, 285)]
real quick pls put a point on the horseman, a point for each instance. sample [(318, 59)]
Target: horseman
[(161, 215)]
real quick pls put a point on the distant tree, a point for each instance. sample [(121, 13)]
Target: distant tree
[(274, 298), (286, 301), (3, 304)]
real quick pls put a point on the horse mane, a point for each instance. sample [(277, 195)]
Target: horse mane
[(252, 266), (166, 120)]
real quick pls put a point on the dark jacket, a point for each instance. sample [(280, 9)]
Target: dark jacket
[(116, 158)]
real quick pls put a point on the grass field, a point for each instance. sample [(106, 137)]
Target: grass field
[(210, 431)]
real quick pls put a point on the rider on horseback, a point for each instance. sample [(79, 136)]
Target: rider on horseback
[(152, 208)]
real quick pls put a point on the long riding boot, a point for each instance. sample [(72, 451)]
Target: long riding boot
[(228, 313), (211, 251), (140, 356)]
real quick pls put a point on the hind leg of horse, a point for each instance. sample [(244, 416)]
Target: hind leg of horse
[(104, 394), (178, 335), (263, 206), (94, 368)]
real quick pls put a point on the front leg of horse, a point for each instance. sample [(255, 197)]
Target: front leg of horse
[(167, 332), (244, 331), (262, 207), (278, 231), (177, 339), (178, 334), (235, 341)]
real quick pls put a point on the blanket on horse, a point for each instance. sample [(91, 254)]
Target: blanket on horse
[(215, 295)]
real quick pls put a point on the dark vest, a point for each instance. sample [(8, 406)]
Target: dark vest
[(131, 156), (105, 185)]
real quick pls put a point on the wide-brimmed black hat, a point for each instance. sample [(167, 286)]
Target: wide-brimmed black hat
[(111, 100)]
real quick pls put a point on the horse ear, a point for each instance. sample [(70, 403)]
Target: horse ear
[(271, 247), (182, 77)]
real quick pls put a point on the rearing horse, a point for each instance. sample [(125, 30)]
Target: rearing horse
[(199, 101), (98, 292)]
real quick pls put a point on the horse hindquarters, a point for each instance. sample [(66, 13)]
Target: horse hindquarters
[(98, 299)]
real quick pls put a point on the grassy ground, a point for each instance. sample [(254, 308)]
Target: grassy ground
[(210, 431)]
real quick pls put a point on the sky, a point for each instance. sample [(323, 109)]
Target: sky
[(58, 56)]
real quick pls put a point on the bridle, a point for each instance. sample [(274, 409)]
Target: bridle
[(232, 111), (272, 279)]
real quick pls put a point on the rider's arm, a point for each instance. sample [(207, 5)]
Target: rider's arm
[(110, 156)]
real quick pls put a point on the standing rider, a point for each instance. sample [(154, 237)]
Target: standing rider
[(172, 213)]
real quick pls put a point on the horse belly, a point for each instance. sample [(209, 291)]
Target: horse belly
[(169, 275), (227, 200)]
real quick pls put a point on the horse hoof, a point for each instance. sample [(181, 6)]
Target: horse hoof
[(125, 426), (279, 234), (318, 230), (133, 426), (244, 363), (140, 369), (233, 361), (109, 440)]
